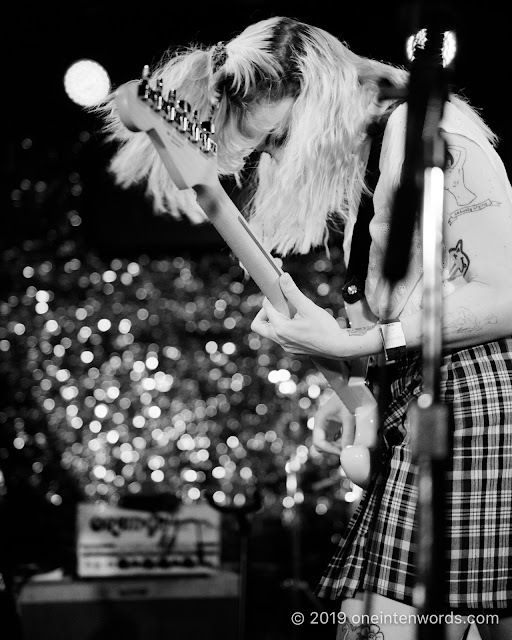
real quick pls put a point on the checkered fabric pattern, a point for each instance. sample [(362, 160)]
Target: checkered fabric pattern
[(377, 550)]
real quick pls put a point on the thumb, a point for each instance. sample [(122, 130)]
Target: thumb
[(291, 291)]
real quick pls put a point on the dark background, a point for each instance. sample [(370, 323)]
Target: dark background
[(43, 39)]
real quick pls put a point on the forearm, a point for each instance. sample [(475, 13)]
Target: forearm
[(473, 314)]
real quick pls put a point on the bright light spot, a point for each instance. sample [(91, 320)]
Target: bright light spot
[(245, 473), (49, 404), (42, 296), (321, 509), (133, 268), (113, 393), (76, 422), (211, 347), (219, 497), (152, 363), (232, 442), (449, 47), (194, 493), (109, 276), (281, 375), (229, 348), (219, 472), (68, 393), (298, 497), (154, 412), (100, 472), (84, 333), (51, 326), (125, 325), (189, 475), (19, 329), (104, 324), (95, 426), (18, 443), (157, 475), (156, 462), (314, 391), (288, 502), (239, 499), (86, 357), (94, 444), (100, 410), (112, 437), (86, 82), (139, 442), (288, 387), (202, 455), (139, 422)]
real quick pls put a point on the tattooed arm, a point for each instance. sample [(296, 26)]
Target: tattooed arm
[(478, 237)]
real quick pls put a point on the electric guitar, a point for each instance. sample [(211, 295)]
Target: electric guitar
[(188, 151)]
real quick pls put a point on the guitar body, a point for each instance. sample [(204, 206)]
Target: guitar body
[(188, 152)]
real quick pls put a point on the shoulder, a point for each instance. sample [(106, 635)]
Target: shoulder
[(393, 145)]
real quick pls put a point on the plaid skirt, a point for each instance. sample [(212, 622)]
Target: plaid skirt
[(376, 552)]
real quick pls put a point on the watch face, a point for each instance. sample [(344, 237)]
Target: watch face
[(393, 340)]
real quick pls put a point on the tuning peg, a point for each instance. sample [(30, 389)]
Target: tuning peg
[(157, 96), (170, 106), (195, 128), (207, 144), (208, 126), (183, 115), (144, 88)]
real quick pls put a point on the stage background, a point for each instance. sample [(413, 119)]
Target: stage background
[(96, 255)]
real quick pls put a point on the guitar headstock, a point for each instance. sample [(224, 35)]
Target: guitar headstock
[(185, 144)]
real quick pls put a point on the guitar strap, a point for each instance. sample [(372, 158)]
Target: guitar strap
[(357, 269)]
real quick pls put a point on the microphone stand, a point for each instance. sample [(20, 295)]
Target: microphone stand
[(422, 189), (428, 415), (243, 518)]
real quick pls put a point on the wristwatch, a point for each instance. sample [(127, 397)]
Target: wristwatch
[(393, 340)]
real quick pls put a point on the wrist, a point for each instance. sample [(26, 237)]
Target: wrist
[(363, 342)]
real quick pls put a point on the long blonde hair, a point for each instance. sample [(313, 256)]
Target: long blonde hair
[(320, 175)]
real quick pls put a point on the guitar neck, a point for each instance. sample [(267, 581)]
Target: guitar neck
[(262, 268), (231, 225)]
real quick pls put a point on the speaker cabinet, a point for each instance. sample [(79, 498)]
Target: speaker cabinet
[(177, 608)]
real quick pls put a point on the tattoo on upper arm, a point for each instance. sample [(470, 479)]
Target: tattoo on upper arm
[(454, 184), (454, 175), (465, 321), (460, 260), (474, 207)]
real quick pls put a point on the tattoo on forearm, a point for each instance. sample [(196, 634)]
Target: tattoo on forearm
[(465, 321), (359, 331), (474, 207), (347, 631), (460, 260)]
